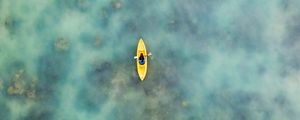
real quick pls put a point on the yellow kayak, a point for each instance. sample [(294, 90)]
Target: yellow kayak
[(141, 60)]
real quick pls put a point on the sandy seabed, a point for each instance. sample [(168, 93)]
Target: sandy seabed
[(212, 60)]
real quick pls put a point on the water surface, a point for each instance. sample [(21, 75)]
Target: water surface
[(212, 60)]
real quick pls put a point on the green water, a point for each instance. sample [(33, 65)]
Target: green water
[(212, 60)]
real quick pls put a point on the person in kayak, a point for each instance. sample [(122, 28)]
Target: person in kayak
[(142, 59)]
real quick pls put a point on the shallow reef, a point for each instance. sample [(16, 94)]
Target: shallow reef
[(212, 60)]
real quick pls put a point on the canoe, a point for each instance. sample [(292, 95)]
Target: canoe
[(141, 65)]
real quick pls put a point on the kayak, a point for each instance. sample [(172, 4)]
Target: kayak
[(141, 53)]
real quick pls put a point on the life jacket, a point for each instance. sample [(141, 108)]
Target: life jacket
[(142, 59)]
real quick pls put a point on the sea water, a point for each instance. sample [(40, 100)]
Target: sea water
[(212, 60)]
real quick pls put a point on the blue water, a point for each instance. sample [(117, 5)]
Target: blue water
[(212, 60)]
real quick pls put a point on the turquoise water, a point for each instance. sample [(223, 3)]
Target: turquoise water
[(212, 60)]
